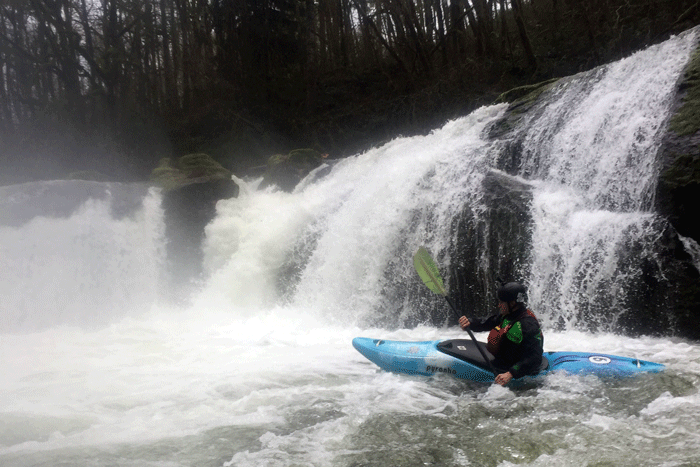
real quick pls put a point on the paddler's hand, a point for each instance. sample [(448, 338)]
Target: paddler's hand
[(464, 322), (504, 378)]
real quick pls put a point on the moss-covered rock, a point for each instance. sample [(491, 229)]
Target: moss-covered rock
[(191, 168), (305, 157), (287, 170), (522, 100), (527, 93), (686, 120), (166, 175)]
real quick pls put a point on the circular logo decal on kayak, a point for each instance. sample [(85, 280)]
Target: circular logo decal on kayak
[(599, 360)]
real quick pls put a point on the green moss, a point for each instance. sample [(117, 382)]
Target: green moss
[(684, 171), (686, 121), (276, 159), (297, 157), (526, 94), (184, 170), (522, 99), (198, 161), (305, 156)]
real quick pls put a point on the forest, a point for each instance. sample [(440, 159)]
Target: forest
[(112, 86)]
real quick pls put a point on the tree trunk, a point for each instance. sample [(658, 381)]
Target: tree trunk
[(520, 23)]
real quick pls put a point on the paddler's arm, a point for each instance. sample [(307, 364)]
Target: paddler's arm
[(486, 325), (479, 325)]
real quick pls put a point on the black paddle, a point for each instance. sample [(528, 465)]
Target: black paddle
[(429, 273)]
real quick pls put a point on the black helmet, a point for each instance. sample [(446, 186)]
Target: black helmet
[(509, 292)]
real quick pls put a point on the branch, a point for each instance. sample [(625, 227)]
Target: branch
[(376, 30)]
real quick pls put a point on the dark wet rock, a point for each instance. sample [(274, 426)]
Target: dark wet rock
[(678, 189), (663, 296), (493, 243), (192, 185)]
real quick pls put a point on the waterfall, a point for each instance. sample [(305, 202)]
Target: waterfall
[(345, 241), (592, 148), (77, 253), (340, 246)]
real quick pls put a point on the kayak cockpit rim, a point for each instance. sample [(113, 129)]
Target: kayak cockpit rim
[(466, 350)]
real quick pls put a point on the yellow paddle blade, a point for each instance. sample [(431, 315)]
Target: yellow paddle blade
[(428, 271)]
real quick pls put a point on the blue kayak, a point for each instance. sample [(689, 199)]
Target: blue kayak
[(461, 358)]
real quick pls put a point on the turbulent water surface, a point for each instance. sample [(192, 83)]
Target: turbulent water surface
[(259, 371)]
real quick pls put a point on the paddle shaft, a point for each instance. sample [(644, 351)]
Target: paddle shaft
[(471, 334), (430, 274)]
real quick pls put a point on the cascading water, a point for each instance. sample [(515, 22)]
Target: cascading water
[(259, 369), (349, 236), (77, 253), (592, 149)]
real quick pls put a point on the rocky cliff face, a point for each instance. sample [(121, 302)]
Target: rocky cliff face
[(677, 196), (679, 181), (493, 244)]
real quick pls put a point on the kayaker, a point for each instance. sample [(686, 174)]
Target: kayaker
[(515, 337)]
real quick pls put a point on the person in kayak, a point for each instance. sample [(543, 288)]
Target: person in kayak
[(515, 337)]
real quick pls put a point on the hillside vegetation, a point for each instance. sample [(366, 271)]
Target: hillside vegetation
[(114, 86)]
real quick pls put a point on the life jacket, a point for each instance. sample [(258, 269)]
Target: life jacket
[(497, 334)]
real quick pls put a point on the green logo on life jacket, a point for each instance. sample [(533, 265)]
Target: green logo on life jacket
[(515, 333)]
